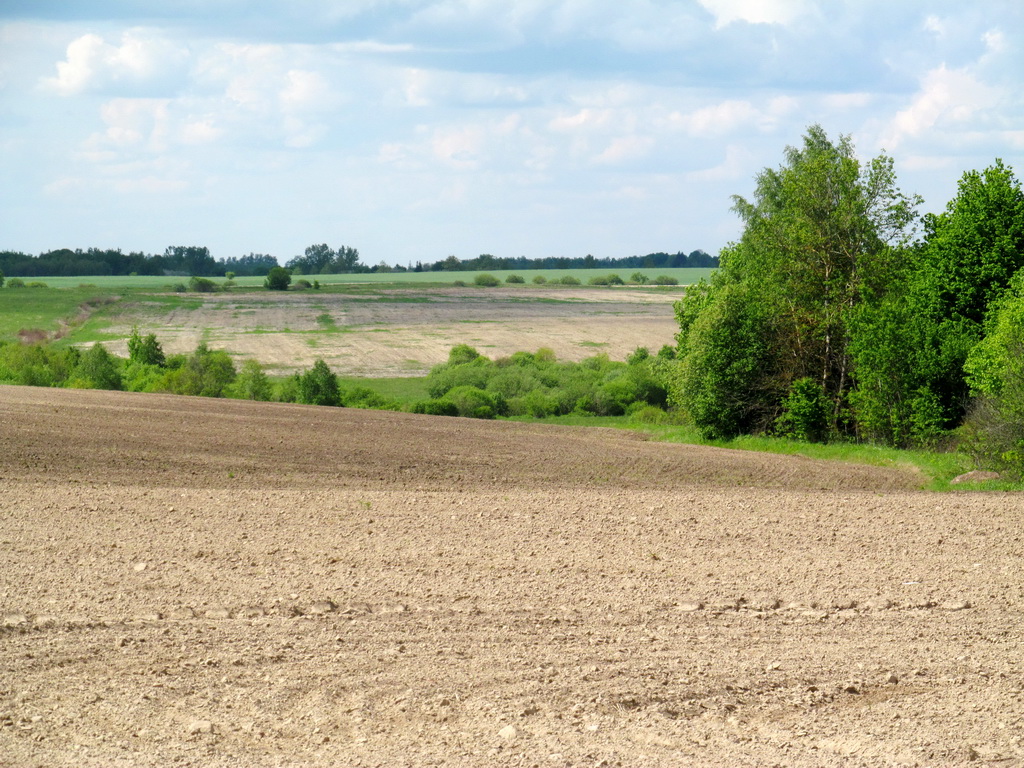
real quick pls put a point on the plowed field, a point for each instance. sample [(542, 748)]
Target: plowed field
[(199, 582)]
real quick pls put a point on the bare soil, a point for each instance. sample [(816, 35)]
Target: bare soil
[(404, 332), (200, 582)]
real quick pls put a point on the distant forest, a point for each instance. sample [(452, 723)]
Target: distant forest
[(317, 260)]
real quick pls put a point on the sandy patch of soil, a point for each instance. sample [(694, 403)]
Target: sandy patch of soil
[(406, 332), (196, 582)]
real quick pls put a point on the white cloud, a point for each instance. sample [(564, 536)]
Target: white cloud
[(305, 91), (951, 98), (142, 60), (755, 11), (141, 123), (624, 149), (737, 164)]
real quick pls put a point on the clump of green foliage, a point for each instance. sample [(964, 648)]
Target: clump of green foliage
[(202, 285), (486, 280), (828, 320), (538, 385), (278, 279)]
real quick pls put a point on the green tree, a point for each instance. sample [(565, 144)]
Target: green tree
[(970, 253), (252, 382), (206, 373), (319, 386), (1, 279), (823, 234), (97, 369), (278, 279), (145, 349)]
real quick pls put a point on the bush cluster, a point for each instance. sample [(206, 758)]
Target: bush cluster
[(538, 385)]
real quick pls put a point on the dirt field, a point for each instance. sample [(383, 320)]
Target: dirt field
[(405, 332), (209, 583)]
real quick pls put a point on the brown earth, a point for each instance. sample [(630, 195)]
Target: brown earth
[(404, 332), (210, 583)]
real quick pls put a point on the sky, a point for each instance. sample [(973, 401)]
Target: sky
[(417, 129)]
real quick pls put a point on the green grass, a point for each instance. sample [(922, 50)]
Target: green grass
[(44, 308), (326, 322), (403, 389)]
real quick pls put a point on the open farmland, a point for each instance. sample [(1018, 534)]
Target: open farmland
[(225, 583), (399, 331)]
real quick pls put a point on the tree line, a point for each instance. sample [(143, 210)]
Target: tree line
[(841, 313), (179, 260), (317, 259), (486, 261)]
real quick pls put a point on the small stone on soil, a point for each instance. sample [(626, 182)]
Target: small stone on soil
[(200, 726)]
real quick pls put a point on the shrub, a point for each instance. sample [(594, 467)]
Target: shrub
[(288, 390), (515, 279), (445, 377), (536, 403), (665, 280), (462, 353), (278, 279), (477, 403), (179, 288), (36, 284), (142, 377), (1, 278), (206, 373), (539, 279), (15, 282), (639, 278), (806, 414), (303, 285), (459, 283), (146, 350), (201, 285), (513, 381), (36, 365), (568, 280), (638, 355), (545, 355), (97, 369), (436, 408), (598, 280), (252, 383), (647, 414), (364, 397), (487, 280), (614, 279)]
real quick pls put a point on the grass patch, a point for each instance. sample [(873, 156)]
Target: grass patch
[(45, 308), (405, 389), (326, 322)]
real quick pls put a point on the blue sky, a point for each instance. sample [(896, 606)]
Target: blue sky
[(415, 129)]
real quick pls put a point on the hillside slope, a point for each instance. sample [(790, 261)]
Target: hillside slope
[(217, 583)]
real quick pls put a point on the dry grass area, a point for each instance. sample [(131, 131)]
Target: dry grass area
[(404, 332), (200, 582)]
